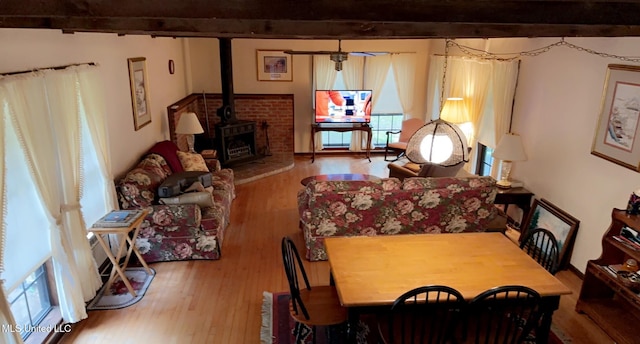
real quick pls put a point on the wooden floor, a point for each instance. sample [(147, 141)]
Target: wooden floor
[(220, 301)]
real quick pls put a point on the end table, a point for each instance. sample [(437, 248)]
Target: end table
[(124, 232)]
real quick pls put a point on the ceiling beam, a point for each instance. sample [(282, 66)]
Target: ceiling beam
[(329, 18)]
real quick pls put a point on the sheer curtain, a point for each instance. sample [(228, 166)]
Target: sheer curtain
[(376, 69), (466, 78), (505, 78), (75, 262), (45, 109), (6, 317), (404, 70), (353, 75), (470, 79), (324, 74), (92, 92)]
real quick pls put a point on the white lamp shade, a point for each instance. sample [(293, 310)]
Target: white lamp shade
[(438, 142), (510, 148), (455, 111), (441, 150), (189, 124)]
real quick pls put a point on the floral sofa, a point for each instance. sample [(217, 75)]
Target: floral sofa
[(389, 207), (176, 231)]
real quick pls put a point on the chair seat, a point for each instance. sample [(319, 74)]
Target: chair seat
[(398, 145), (323, 305)]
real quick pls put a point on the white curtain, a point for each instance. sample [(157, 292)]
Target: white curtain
[(404, 71), (353, 75), (469, 79), (45, 111), (504, 80), (376, 69), (6, 317), (73, 257), (324, 74), (92, 92)]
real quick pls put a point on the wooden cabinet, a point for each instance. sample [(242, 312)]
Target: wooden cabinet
[(614, 307)]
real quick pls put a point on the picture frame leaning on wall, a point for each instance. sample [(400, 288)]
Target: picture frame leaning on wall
[(544, 214)]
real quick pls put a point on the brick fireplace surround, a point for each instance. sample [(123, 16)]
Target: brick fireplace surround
[(275, 109)]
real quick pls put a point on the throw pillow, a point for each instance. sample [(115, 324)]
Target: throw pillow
[(167, 150), (204, 199), (192, 161), (437, 171)]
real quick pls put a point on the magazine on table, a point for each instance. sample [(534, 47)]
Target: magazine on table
[(118, 218)]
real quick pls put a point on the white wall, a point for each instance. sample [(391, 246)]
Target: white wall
[(28, 49), (557, 105), (205, 62)]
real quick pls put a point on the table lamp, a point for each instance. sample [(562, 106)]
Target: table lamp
[(189, 125), (509, 149)]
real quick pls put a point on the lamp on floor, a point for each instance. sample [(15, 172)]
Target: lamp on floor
[(509, 149), (189, 125)]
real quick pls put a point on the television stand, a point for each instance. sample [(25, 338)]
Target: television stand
[(315, 128)]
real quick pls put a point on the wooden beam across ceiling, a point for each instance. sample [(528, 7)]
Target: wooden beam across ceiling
[(330, 18)]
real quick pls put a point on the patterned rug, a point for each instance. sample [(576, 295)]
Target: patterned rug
[(278, 327), (118, 295)]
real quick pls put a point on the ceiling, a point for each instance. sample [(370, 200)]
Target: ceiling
[(318, 19)]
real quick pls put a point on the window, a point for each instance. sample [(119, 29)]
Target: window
[(383, 122), (30, 302), (484, 160), (386, 116)]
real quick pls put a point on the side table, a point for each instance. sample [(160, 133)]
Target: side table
[(315, 128), (124, 232), (518, 196)]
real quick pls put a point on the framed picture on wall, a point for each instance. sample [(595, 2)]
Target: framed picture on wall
[(274, 65), (544, 214), (139, 91), (616, 138)]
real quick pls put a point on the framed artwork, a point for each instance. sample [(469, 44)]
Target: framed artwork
[(617, 137), (544, 214), (139, 91), (274, 65)]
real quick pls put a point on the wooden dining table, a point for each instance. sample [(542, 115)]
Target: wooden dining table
[(371, 272)]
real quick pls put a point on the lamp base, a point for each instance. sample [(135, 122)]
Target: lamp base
[(503, 184)]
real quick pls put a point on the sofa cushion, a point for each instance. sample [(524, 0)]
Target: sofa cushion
[(365, 186), (203, 199), (435, 170), (192, 161)]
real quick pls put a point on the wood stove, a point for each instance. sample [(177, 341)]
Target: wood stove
[(236, 142), (235, 139)]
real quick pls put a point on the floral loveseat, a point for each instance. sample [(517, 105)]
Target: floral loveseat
[(176, 231), (389, 206)]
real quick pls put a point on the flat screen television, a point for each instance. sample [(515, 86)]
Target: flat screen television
[(341, 106)]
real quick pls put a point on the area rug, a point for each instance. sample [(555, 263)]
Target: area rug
[(118, 295), (278, 327)]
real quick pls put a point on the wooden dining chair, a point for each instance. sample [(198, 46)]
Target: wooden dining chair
[(541, 245), (408, 128), (429, 314), (502, 315), (311, 306)]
